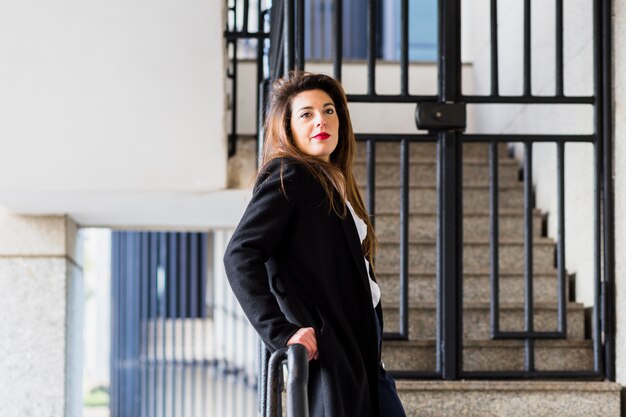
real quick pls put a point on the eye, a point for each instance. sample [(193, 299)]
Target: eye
[(304, 114), (329, 110)]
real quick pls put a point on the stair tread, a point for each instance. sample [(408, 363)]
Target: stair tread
[(475, 305), (585, 343), (550, 274), (501, 211), (433, 161), (537, 241), (472, 185), (514, 385)]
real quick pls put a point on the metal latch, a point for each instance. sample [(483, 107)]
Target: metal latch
[(440, 116)]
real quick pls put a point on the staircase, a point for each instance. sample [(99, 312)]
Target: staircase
[(480, 353)]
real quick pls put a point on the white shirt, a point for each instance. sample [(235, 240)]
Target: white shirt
[(361, 228)]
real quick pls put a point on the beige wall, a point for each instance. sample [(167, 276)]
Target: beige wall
[(41, 310)]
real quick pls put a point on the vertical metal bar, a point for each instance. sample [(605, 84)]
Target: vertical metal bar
[(259, 71), (450, 211), (450, 234), (288, 37), (262, 378), (184, 279), (163, 316), (300, 34), (371, 47), (246, 7), (561, 283), (404, 47), (607, 155), (113, 329), (529, 362), (495, 88), (128, 325), (136, 320), (323, 30), (559, 48), (371, 179), (195, 276), (232, 143), (297, 396), (124, 325), (338, 44), (172, 280), (404, 238), (597, 181), (527, 52), (494, 239), (143, 299), (153, 316), (205, 315), (597, 238)]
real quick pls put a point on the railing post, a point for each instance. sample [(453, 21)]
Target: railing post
[(450, 210), (298, 371)]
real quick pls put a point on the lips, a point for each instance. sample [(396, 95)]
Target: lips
[(321, 136)]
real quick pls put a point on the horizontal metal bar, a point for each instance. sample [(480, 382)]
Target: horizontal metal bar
[(230, 36), (394, 137), (388, 98), (529, 99), (395, 336), (505, 137), (529, 335)]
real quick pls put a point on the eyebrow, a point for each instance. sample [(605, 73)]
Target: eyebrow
[(311, 107)]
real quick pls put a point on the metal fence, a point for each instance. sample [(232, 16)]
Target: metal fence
[(442, 119), (175, 332)]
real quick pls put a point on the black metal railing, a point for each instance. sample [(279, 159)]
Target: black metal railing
[(165, 360), (443, 117), (239, 29), (270, 396)]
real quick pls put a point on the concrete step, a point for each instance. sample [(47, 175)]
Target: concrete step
[(476, 256), (423, 199), (492, 355), (509, 398), (476, 287), (476, 225), (390, 151), (424, 172), (477, 320)]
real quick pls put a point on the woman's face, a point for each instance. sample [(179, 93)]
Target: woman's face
[(314, 124)]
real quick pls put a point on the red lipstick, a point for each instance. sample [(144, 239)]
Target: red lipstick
[(321, 136)]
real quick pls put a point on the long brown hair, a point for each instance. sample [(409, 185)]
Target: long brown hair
[(334, 176)]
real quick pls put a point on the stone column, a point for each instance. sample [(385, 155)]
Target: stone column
[(41, 289), (619, 153)]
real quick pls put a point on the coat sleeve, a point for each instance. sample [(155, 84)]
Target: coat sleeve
[(254, 242)]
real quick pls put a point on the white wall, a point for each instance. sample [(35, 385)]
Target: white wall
[(111, 99), (619, 83), (547, 119)]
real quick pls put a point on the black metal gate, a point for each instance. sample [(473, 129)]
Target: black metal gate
[(443, 118)]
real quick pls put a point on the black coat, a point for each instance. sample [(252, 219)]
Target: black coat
[(294, 263)]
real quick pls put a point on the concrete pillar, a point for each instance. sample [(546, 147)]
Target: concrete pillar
[(41, 302), (619, 150)]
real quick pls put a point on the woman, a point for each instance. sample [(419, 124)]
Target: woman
[(299, 261)]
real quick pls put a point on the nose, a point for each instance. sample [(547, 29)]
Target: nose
[(321, 121)]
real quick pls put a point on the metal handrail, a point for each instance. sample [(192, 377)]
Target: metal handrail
[(298, 371)]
